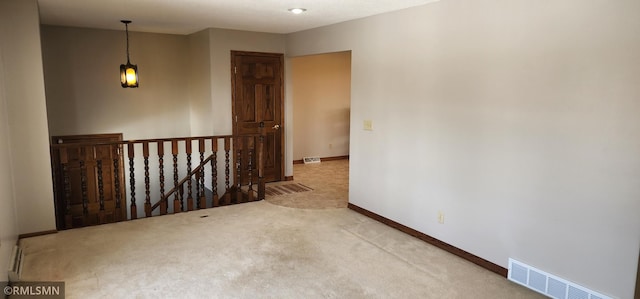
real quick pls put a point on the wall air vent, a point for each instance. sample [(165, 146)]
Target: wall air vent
[(548, 284), (309, 160)]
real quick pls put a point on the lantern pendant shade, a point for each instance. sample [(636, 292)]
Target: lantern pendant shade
[(128, 72), (129, 75)]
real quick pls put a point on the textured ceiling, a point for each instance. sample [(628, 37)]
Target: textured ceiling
[(189, 16)]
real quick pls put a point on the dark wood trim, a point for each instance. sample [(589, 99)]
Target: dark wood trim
[(249, 53), (87, 138), (283, 144), (136, 141), (433, 241), (42, 233), (637, 295), (325, 159), (288, 178), (335, 158)]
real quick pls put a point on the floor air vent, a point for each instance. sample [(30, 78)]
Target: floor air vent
[(308, 160), (15, 264), (548, 284)]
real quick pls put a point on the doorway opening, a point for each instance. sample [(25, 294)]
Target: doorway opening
[(321, 105), (321, 113)]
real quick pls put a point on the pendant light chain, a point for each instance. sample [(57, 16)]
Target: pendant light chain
[(126, 26)]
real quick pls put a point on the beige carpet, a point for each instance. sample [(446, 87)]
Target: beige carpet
[(256, 250)]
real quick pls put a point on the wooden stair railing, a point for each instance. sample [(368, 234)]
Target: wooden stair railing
[(179, 191), (248, 158), (237, 194)]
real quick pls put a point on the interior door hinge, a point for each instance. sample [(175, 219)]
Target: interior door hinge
[(235, 69), (236, 118)]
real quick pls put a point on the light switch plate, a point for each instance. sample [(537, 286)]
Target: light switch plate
[(368, 125)]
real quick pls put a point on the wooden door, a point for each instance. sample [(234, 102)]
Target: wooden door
[(88, 203), (257, 84)]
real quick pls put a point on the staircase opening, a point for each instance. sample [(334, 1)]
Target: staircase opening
[(100, 180)]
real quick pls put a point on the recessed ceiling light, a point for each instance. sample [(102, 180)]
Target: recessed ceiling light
[(297, 11)]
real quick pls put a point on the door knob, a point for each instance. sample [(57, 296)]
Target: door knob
[(275, 127)]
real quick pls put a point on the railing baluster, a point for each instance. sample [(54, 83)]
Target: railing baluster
[(189, 183), (215, 201), (197, 175), (227, 192), (100, 184), (100, 192), (163, 201), (202, 200), (147, 191), (177, 202), (238, 146), (116, 183), (83, 186), (132, 181), (251, 148), (64, 160)]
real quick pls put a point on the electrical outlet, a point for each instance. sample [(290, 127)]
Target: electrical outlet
[(440, 217)]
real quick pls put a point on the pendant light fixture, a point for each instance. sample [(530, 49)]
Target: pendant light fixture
[(128, 72)]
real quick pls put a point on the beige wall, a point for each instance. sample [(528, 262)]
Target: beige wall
[(83, 88), (8, 221), (200, 84), (321, 107), (26, 197), (185, 81), (518, 120), (84, 95)]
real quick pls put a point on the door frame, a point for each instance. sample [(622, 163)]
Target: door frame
[(282, 129)]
